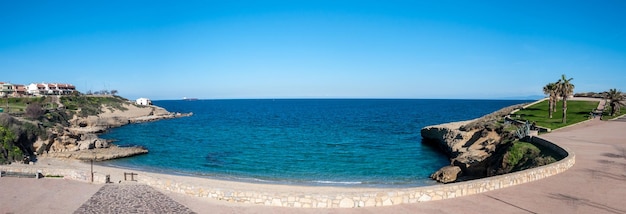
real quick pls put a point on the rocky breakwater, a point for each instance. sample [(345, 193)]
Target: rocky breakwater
[(79, 140)]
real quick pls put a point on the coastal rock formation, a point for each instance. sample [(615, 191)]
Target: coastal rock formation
[(111, 118), (80, 138), (99, 154), (468, 150)]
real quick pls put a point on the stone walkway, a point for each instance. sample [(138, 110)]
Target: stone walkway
[(129, 198)]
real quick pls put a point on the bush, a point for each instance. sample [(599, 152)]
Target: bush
[(8, 151), (523, 155), (521, 152), (25, 133), (52, 118), (34, 111)]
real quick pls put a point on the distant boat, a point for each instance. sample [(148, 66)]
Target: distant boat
[(190, 98)]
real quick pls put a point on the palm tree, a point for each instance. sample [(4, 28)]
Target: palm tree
[(615, 99), (565, 88), (550, 90)]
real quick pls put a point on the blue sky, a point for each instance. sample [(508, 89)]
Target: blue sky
[(315, 49)]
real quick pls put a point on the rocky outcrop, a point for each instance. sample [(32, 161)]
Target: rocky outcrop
[(80, 138), (99, 154), (447, 174), (468, 150), (110, 118)]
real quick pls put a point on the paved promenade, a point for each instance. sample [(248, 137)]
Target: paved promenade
[(129, 198), (596, 184)]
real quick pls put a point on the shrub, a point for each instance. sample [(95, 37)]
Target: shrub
[(521, 152), (34, 111), (524, 155), (8, 151)]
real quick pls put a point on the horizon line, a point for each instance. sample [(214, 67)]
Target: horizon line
[(358, 98)]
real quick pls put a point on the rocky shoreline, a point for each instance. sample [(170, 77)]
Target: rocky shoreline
[(468, 150), (80, 139), (476, 148), (99, 154)]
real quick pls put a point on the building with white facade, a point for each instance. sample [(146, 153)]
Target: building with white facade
[(143, 101), (50, 89)]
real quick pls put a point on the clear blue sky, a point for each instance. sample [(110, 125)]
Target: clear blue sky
[(315, 49)]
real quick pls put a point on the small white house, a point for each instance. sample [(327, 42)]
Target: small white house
[(143, 101)]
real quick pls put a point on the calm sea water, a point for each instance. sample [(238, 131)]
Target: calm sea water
[(345, 142)]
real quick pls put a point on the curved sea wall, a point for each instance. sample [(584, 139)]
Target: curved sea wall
[(307, 196)]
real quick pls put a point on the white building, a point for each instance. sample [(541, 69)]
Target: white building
[(143, 101), (50, 89)]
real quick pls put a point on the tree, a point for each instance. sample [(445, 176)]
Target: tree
[(550, 90), (8, 151), (615, 98), (34, 111), (565, 88), (113, 92)]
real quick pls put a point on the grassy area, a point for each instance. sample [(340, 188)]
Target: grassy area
[(519, 149), (90, 105), (577, 111), (524, 155), (18, 105)]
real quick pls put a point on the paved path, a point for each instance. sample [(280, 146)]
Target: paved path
[(47, 195), (129, 198)]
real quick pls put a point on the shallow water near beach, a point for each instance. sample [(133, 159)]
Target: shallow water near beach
[(329, 142)]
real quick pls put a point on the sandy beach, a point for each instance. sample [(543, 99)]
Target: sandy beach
[(594, 185)]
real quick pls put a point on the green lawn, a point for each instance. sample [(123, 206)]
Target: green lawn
[(577, 111), (17, 105), (14, 104)]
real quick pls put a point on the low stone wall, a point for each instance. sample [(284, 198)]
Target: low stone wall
[(70, 174), (325, 197), (549, 145)]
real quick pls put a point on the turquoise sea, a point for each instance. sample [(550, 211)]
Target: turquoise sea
[(336, 142)]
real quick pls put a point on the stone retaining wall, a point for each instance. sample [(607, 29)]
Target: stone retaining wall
[(339, 197), (70, 174)]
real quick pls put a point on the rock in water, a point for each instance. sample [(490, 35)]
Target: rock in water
[(447, 174)]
